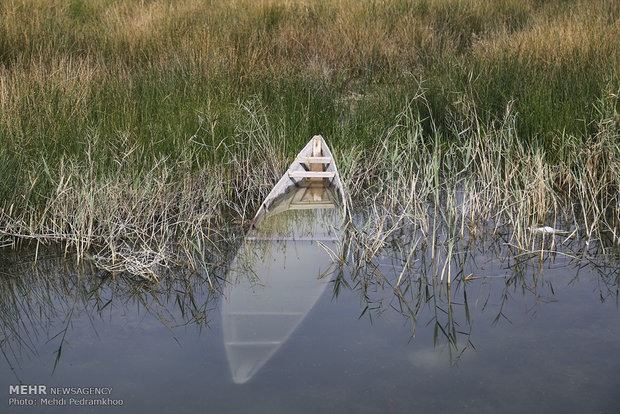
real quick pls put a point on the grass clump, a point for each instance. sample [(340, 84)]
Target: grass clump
[(437, 197)]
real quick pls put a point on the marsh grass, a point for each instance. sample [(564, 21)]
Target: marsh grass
[(486, 181), (140, 132), (484, 184)]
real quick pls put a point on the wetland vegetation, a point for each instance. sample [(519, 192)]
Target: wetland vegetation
[(478, 142), (143, 133)]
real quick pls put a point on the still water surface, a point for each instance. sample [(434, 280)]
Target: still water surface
[(517, 336)]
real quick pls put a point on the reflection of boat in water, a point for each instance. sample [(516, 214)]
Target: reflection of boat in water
[(283, 266)]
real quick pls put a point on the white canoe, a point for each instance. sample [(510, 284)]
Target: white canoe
[(281, 270), (316, 152)]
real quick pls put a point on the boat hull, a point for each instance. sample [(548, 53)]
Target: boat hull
[(277, 276)]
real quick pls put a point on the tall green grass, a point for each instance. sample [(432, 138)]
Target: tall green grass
[(149, 120)]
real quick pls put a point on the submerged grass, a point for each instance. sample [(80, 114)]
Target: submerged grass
[(136, 132), (44, 302)]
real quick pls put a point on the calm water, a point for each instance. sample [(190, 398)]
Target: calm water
[(518, 336)]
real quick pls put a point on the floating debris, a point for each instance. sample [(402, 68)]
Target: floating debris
[(547, 230)]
